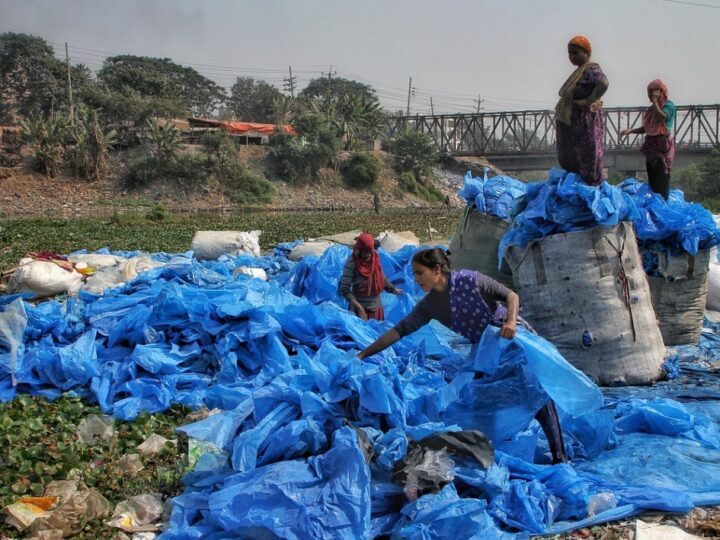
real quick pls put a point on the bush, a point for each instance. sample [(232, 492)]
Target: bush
[(361, 170), (690, 180), (408, 183), (415, 152), (142, 173), (190, 170), (299, 159), (217, 143), (244, 188), (157, 213)]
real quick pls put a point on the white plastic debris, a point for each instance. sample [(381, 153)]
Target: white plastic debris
[(96, 260), (655, 531), (209, 245), (258, 273), (140, 513)]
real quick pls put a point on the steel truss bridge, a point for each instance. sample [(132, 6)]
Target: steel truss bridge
[(525, 140)]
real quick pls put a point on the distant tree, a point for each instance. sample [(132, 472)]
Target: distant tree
[(32, 81), (354, 116), (415, 152), (166, 139), (160, 82), (335, 87), (283, 109), (253, 100), (710, 170), (690, 180)]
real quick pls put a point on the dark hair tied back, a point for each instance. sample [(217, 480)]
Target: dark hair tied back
[(431, 258)]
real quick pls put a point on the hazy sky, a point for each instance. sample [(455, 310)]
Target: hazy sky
[(511, 52)]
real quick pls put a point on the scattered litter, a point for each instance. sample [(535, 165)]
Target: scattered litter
[(65, 508), (130, 464), (142, 513), (154, 444), (258, 273), (96, 427)]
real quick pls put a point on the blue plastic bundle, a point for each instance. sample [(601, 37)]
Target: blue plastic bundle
[(496, 196), (673, 226), (565, 203)]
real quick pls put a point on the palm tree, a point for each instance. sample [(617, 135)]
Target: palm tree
[(166, 139)]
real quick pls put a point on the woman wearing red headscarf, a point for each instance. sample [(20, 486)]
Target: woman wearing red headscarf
[(363, 280), (579, 123), (659, 147)]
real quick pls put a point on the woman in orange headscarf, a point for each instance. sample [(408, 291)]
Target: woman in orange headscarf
[(578, 115), (659, 147), (363, 280)]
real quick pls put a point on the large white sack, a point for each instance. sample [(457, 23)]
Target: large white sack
[(44, 278), (391, 241), (209, 245), (713, 294), (309, 248)]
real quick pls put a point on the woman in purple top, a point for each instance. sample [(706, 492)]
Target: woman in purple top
[(466, 302), (579, 123)]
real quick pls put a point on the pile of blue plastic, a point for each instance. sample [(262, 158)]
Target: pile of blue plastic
[(671, 227), (308, 435), (496, 196), (565, 203)]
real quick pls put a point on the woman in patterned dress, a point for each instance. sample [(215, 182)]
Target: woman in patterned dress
[(579, 123), (466, 302)]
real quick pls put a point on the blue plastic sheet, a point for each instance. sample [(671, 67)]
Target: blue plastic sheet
[(496, 196), (293, 397), (565, 203)]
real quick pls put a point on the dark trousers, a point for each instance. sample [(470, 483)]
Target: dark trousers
[(548, 419), (658, 178)]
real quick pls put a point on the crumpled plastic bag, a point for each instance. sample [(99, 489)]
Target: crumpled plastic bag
[(13, 321), (66, 506), (154, 444), (96, 427), (140, 512), (130, 464)]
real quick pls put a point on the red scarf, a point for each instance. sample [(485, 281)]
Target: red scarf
[(654, 123), (369, 268)]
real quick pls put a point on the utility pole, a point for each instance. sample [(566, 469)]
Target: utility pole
[(432, 109), (407, 111), (69, 86), (289, 83), (480, 101)]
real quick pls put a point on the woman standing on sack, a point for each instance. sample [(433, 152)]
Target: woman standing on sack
[(363, 280), (466, 302), (659, 147), (579, 121)]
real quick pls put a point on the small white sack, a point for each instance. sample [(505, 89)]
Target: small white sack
[(252, 272), (316, 248), (44, 278), (209, 245)]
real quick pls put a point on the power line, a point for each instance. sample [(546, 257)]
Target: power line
[(696, 4)]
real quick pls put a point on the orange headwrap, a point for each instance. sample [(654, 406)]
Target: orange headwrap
[(581, 41)]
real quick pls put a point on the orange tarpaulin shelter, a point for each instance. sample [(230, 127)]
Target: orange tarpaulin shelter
[(242, 128)]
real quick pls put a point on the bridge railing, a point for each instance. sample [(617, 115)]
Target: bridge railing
[(697, 127)]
